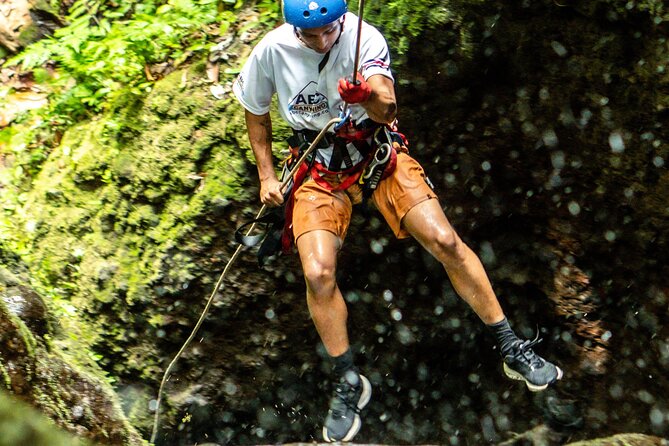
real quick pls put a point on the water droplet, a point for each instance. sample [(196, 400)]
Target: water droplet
[(574, 208), (77, 411), (550, 138), (616, 142), (628, 192), (559, 49), (230, 388), (616, 391), (30, 226), (396, 314), (558, 159), (656, 416), (376, 246)]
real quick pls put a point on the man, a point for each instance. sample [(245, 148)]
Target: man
[(307, 63)]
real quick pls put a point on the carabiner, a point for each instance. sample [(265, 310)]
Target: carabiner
[(345, 116)]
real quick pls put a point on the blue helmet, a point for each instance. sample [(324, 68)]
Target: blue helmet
[(312, 13)]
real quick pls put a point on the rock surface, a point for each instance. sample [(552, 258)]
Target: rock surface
[(33, 370), (24, 22)]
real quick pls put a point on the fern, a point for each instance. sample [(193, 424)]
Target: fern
[(105, 50)]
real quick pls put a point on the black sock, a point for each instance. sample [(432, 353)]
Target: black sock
[(342, 363), (504, 334)]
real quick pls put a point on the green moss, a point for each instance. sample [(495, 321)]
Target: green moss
[(136, 400), (22, 425), (117, 209), (29, 35), (6, 379)]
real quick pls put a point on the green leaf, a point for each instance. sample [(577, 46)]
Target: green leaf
[(163, 9)]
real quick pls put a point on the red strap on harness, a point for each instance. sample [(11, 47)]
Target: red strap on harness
[(352, 175), (350, 133), (392, 163), (287, 238), (317, 170)]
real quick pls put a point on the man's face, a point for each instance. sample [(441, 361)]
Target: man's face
[(320, 39)]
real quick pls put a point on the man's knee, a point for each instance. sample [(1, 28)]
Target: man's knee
[(448, 246), (320, 277)]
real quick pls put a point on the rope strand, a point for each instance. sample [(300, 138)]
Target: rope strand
[(205, 311)]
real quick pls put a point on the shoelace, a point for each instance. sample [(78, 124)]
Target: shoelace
[(525, 350), (343, 400)]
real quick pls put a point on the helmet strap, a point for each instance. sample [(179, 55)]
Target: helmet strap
[(341, 19)]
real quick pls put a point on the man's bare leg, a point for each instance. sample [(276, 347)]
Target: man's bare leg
[(318, 253), (428, 224)]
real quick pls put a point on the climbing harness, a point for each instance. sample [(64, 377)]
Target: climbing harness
[(273, 221), (377, 166), (278, 236), (377, 144), (219, 282)]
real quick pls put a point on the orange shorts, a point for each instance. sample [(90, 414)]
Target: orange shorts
[(319, 208)]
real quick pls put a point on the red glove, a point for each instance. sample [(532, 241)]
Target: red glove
[(354, 93)]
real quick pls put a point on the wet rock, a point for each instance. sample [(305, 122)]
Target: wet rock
[(28, 306), (24, 22), (16, 18), (624, 439), (36, 372)]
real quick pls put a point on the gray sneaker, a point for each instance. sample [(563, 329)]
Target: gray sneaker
[(522, 364), (351, 394)]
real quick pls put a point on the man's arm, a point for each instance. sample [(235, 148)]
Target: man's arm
[(381, 105), (376, 95), (259, 128)]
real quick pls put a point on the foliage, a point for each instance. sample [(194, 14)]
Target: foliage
[(403, 20), (269, 11), (103, 59), (106, 50)]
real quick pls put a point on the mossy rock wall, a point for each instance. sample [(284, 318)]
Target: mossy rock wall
[(22, 425), (34, 369), (124, 222)]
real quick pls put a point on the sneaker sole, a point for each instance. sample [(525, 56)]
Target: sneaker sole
[(365, 396), (533, 387)]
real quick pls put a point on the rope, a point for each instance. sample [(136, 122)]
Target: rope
[(205, 311)]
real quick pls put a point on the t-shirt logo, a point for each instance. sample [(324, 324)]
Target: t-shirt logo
[(309, 101)]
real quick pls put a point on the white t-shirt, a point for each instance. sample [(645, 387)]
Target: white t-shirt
[(307, 99)]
